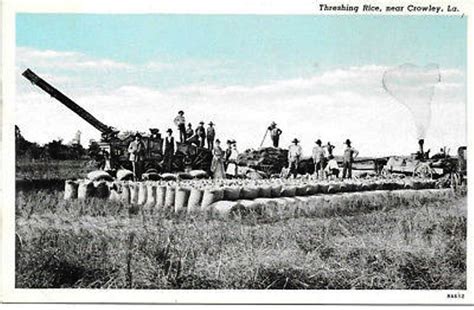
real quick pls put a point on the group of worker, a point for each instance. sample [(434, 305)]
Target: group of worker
[(222, 161), (325, 164), (198, 136)]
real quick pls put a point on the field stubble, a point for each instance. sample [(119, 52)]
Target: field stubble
[(391, 243)]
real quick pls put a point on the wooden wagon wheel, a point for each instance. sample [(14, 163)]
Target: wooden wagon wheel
[(423, 170)]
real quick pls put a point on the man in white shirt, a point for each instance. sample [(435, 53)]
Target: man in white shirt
[(318, 159), (332, 168), (294, 155), (180, 122)]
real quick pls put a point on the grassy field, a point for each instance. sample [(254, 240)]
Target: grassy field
[(393, 243), (52, 169)]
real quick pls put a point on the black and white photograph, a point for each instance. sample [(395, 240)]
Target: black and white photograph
[(158, 151)]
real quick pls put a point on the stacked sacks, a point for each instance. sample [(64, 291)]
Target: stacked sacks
[(160, 196), (70, 189), (170, 196), (151, 194), (101, 189), (134, 189), (99, 175), (276, 190), (227, 209), (288, 191), (232, 193), (198, 174), (181, 198), (85, 189), (124, 175), (115, 190), (249, 192), (142, 193), (195, 199), (273, 159), (210, 196), (125, 192)]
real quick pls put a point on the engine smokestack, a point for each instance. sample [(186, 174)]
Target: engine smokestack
[(421, 142)]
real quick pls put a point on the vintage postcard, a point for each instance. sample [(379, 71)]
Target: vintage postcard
[(262, 152)]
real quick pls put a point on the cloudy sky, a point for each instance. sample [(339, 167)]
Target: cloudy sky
[(316, 76)]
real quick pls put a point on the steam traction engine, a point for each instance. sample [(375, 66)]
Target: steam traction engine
[(187, 154)]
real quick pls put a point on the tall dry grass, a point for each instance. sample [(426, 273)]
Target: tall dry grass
[(391, 243)]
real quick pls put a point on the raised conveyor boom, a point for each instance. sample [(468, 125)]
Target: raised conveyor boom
[(36, 80)]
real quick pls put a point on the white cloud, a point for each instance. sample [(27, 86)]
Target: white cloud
[(333, 105), (64, 60)]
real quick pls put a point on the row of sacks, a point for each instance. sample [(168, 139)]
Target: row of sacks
[(201, 194), (323, 205), (151, 175)]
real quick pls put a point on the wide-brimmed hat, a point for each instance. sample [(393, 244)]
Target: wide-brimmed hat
[(218, 141), (347, 141), (295, 140), (180, 112), (318, 141), (233, 141), (169, 130), (138, 135), (229, 141), (189, 124), (211, 123), (201, 122), (273, 124)]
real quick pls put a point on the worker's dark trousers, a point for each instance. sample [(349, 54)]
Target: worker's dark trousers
[(202, 141), (294, 168), (347, 170), (168, 162), (210, 143), (182, 133), (137, 167), (275, 140)]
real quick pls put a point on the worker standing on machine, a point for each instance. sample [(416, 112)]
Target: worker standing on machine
[(180, 122), (136, 149), (189, 131), (211, 134), (169, 150), (275, 133), (201, 134)]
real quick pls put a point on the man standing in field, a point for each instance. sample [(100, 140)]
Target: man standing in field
[(318, 159), (180, 122), (275, 133), (349, 154), (211, 134), (201, 133), (294, 154), (136, 149)]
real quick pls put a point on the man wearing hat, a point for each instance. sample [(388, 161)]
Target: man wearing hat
[(180, 122), (136, 149), (169, 150), (211, 134), (275, 133), (201, 133), (189, 131), (318, 159), (349, 154), (294, 154)]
